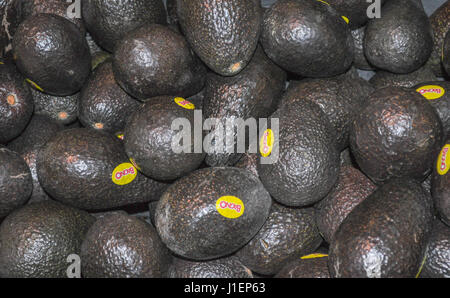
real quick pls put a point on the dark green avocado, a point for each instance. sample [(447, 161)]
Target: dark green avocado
[(227, 267), (308, 266), (437, 263), (287, 234), (123, 246), (103, 105), (89, 170), (58, 62), (397, 134), (308, 38), (356, 11), (110, 21), (396, 43), (440, 24), (384, 236), (36, 240), (155, 60), (212, 212), (440, 183), (350, 190), (383, 78), (16, 103), (16, 183), (62, 109), (224, 48)]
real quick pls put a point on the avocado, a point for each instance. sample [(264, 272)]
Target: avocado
[(212, 212), (62, 109), (440, 183), (383, 79), (227, 267), (437, 93), (360, 60), (110, 21), (308, 266), (440, 23), (123, 246), (224, 34), (308, 38), (253, 93), (154, 60), (37, 239), (307, 166), (29, 143), (356, 11), (58, 62), (16, 103), (438, 252), (11, 14), (397, 134), (16, 183), (89, 170), (350, 190), (103, 105), (394, 42), (287, 234), (151, 133), (385, 235)]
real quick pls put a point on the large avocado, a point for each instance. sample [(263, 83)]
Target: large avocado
[(212, 212), (62, 109), (385, 235), (224, 34), (437, 260), (440, 183)]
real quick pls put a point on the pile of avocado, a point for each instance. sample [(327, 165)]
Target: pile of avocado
[(341, 176)]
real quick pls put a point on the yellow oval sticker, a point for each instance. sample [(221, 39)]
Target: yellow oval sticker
[(230, 206), (124, 174), (346, 19), (184, 103), (314, 256), (431, 92), (443, 162), (34, 85), (266, 143)]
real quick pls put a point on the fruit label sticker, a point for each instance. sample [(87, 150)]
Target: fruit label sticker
[(184, 103), (230, 206), (120, 136), (431, 92), (266, 143), (443, 162), (314, 256), (346, 19), (34, 85), (124, 174)]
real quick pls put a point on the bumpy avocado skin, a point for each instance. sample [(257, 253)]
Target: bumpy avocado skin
[(394, 42), (287, 234), (440, 23), (385, 235), (36, 240), (16, 103), (446, 54), (287, 40), (440, 185), (15, 181), (76, 167), (223, 48), (438, 252), (59, 62), (227, 267), (154, 60), (189, 223), (106, 21), (103, 105), (383, 79), (306, 268), (62, 109), (398, 134), (360, 60), (123, 246)]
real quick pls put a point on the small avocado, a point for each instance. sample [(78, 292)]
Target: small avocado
[(440, 24), (154, 60), (62, 109), (90, 170), (287, 234), (440, 183), (224, 34), (227, 267), (16, 103), (350, 190), (383, 79), (397, 134), (308, 38), (308, 266), (110, 21), (123, 246), (16, 183), (37, 239), (385, 235), (58, 62), (154, 138), (356, 11), (212, 212), (103, 105), (437, 263), (360, 60), (394, 42)]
